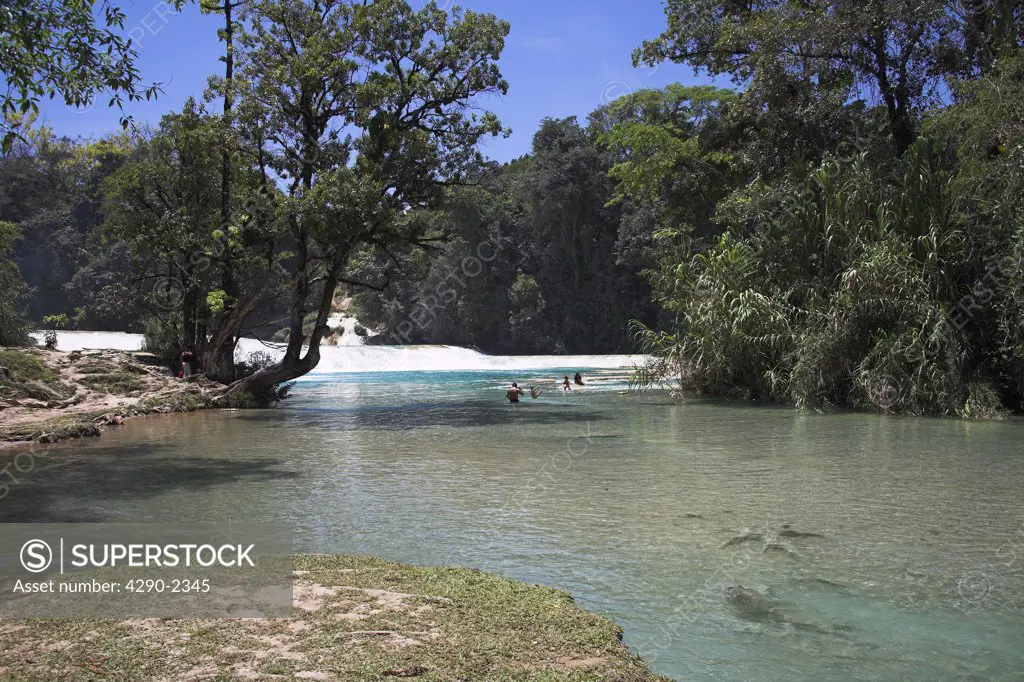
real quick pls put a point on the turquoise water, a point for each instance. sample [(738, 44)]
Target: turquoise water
[(627, 501)]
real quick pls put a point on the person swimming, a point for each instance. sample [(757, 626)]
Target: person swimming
[(578, 379), (534, 392), (514, 393), (565, 383)]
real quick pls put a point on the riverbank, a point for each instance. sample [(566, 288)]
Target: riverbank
[(49, 395), (356, 618)]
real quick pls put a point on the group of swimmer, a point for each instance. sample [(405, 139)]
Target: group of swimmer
[(514, 392)]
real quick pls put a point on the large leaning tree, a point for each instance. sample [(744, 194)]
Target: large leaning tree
[(364, 114)]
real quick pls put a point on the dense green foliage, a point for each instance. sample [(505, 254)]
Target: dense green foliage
[(531, 263), (51, 188), (13, 322), (879, 264)]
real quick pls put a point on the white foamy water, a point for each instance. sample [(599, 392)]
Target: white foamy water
[(346, 324), (357, 358), (71, 340)]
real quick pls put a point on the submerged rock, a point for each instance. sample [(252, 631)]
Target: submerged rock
[(746, 537), (779, 547), (790, 533), (752, 605)]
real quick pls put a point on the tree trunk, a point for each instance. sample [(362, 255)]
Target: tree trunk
[(294, 365), (219, 355)]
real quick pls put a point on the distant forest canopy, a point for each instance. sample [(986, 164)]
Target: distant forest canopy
[(842, 227), (531, 260)]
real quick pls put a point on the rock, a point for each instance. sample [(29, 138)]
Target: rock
[(145, 358), (32, 402), (693, 516), (789, 533), (778, 547), (752, 603), (73, 400), (5, 374), (746, 537)]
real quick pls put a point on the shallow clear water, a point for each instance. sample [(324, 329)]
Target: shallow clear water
[(624, 500)]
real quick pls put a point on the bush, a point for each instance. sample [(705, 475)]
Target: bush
[(848, 297), (54, 323), (25, 375)]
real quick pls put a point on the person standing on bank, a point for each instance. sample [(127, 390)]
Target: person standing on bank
[(186, 364)]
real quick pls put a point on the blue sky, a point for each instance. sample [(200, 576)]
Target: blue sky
[(562, 58)]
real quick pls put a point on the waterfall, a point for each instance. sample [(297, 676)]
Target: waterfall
[(361, 358)]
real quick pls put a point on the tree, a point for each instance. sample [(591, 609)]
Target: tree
[(842, 272), (675, 149), (399, 84), (57, 48), (899, 54), (50, 187), (13, 324), (218, 361), (160, 203), (534, 262)]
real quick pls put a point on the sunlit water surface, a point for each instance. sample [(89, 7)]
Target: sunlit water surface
[(624, 500)]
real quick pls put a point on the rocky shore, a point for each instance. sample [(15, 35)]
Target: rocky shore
[(49, 395)]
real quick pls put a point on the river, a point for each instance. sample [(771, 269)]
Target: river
[(627, 501)]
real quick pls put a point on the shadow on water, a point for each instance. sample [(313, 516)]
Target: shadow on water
[(66, 479), (422, 415)]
